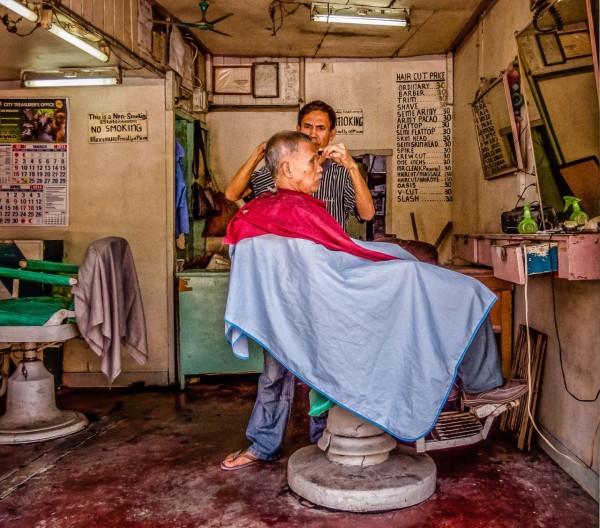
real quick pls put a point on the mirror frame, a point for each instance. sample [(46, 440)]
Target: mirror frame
[(511, 156), (593, 29)]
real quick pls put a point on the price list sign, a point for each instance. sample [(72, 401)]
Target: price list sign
[(34, 173), (423, 138)]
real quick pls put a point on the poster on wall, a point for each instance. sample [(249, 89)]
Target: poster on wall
[(34, 174)]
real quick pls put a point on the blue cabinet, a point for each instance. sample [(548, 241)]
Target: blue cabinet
[(202, 296)]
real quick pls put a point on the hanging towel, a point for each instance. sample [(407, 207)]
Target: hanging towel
[(108, 304)]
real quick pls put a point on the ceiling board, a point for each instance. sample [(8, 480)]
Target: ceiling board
[(435, 24)]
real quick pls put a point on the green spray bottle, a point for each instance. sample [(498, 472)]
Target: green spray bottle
[(528, 225), (577, 215)]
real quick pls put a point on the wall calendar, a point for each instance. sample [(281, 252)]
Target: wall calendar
[(34, 168)]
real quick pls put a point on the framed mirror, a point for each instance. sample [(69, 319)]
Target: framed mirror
[(497, 132), (559, 57)]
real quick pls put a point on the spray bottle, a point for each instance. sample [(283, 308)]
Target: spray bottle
[(528, 225), (577, 215)]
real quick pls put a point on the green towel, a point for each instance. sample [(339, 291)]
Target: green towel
[(318, 403)]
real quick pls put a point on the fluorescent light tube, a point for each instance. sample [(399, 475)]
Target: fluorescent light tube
[(72, 39), (20, 9), (71, 77), (359, 19), (358, 14), (49, 83)]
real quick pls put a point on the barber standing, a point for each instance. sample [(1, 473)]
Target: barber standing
[(343, 189), (344, 192)]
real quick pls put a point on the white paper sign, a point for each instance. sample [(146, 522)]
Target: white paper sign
[(113, 127), (349, 122)]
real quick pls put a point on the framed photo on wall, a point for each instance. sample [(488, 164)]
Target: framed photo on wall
[(550, 49), (265, 79), (232, 80), (575, 44)]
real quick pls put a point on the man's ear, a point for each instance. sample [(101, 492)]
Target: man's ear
[(297, 128), (286, 169), (332, 134)]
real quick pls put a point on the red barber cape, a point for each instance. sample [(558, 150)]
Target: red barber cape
[(295, 215)]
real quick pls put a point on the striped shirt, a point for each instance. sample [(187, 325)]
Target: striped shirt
[(336, 190)]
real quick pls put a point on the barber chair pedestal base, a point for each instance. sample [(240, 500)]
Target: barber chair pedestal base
[(31, 412), (357, 467)]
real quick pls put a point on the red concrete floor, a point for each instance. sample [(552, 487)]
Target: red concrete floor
[(151, 459)]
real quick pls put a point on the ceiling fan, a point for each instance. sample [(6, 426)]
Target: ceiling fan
[(201, 24)]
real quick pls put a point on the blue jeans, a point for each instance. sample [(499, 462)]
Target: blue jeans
[(481, 369), (272, 411)]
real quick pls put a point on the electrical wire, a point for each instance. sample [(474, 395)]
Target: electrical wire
[(517, 143), (529, 377), (543, 6), (283, 12), (560, 351), (129, 67), (11, 26), (85, 33), (520, 197), (197, 51)]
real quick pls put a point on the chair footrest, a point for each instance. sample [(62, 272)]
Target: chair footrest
[(455, 425), (452, 429)]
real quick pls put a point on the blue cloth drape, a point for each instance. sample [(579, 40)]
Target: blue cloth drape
[(382, 339), (182, 217)]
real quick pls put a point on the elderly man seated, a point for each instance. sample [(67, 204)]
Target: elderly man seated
[(364, 323)]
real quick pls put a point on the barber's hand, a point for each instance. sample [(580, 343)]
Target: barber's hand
[(339, 154), (259, 151)]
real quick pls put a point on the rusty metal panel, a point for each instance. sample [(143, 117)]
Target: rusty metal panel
[(75, 6), (126, 29), (119, 21), (109, 17), (98, 14), (203, 348), (87, 10)]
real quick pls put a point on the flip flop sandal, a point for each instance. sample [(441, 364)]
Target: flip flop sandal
[(240, 454)]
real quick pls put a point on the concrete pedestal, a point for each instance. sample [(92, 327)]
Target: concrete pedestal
[(31, 412), (357, 467)]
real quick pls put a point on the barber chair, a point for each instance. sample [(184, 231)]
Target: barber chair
[(28, 325), (110, 317), (357, 467)]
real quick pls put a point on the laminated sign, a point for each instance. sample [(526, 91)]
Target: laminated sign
[(34, 162)]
